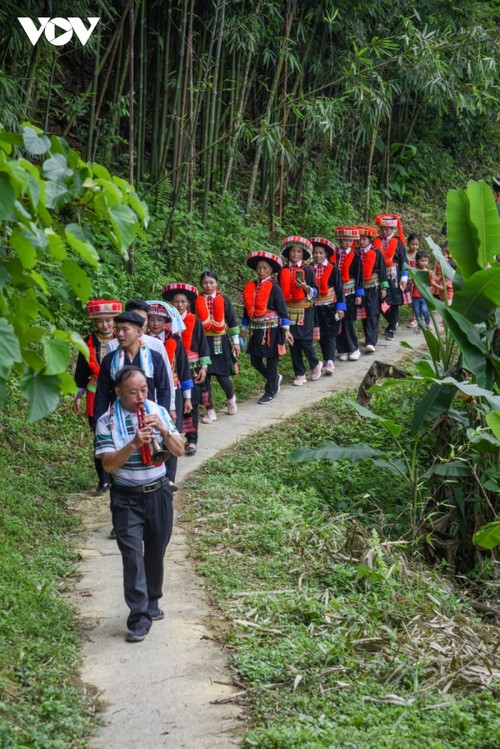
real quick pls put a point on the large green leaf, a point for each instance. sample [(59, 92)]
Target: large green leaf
[(488, 536), (452, 469), (479, 295), (436, 401), (35, 143), (10, 351), (77, 239), (484, 215), (391, 426), (463, 237), (42, 393), (475, 391), (57, 356), (56, 168), (469, 342), (78, 279), (124, 224), (331, 451), (448, 271), (493, 421), (24, 248), (7, 196)]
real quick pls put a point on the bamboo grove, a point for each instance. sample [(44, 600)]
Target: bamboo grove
[(191, 100)]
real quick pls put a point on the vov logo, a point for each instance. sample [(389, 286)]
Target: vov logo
[(49, 26)]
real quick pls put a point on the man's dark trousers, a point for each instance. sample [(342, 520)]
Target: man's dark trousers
[(142, 521)]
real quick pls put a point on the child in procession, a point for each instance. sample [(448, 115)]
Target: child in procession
[(216, 314), (329, 305)]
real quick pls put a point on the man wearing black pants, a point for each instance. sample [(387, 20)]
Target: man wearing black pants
[(141, 499)]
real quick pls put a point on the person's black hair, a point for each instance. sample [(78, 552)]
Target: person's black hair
[(421, 254), (412, 237), (125, 373), (208, 274), (134, 304)]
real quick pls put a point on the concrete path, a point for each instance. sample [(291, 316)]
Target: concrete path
[(172, 689)]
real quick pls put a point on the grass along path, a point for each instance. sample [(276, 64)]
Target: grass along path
[(339, 637), (178, 677)]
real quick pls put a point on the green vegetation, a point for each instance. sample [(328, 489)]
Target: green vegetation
[(42, 704), (52, 204), (340, 636)]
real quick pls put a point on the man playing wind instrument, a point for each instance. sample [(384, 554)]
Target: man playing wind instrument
[(141, 498)]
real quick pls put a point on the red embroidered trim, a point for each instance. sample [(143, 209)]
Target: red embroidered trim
[(346, 267), (187, 335), (256, 298), (323, 282), (171, 347), (93, 364), (390, 251), (369, 259), (291, 292), (215, 322)]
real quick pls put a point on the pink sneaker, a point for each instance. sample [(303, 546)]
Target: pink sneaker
[(329, 368), (231, 406), (300, 380), (412, 324), (316, 372), (209, 417)]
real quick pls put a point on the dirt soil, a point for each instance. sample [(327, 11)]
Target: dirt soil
[(175, 689)]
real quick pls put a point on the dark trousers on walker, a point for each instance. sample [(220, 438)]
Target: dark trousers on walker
[(347, 340), (300, 345), (370, 327), (269, 371), (392, 317), (143, 525)]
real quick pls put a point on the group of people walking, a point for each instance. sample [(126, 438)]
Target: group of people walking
[(152, 364)]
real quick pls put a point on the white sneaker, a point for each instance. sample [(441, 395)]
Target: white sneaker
[(355, 355), (329, 368), (344, 357), (209, 417), (231, 406), (300, 380), (370, 349)]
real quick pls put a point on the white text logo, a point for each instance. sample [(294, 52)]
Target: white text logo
[(51, 25)]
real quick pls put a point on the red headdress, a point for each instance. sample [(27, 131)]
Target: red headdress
[(393, 221), (103, 308)]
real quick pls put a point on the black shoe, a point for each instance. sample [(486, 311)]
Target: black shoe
[(190, 448), (390, 335), (136, 635), (156, 614), (266, 398), (102, 488), (173, 486), (112, 533)]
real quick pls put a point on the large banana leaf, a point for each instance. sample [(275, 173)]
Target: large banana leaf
[(448, 271), (479, 295), (437, 400), (470, 343), (332, 451), (463, 237), (488, 536), (391, 426), (484, 216)]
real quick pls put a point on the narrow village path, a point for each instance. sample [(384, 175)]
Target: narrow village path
[(172, 689)]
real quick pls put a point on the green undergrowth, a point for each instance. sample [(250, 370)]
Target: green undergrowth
[(341, 637), (41, 703)]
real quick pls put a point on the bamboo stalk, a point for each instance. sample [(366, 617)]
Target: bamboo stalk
[(131, 135)]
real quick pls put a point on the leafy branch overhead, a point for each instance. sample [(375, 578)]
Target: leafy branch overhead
[(56, 210)]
